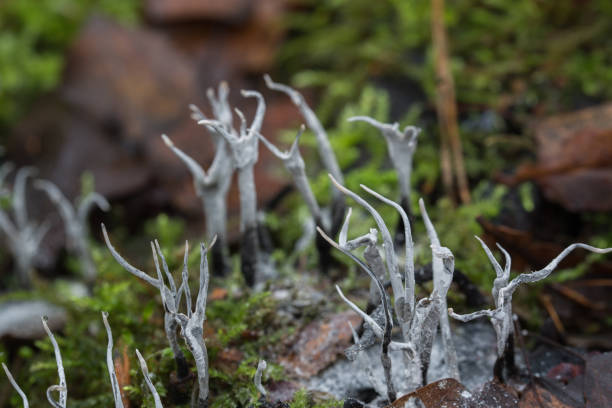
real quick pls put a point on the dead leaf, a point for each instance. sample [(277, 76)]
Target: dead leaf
[(543, 399), (447, 392), (320, 343), (574, 167), (450, 393)]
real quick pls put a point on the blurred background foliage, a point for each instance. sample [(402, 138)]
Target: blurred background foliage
[(523, 54), (34, 35)]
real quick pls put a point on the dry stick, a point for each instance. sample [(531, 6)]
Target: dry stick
[(446, 104), (554, 316), (110, 364), (24, 398), (61, 387)]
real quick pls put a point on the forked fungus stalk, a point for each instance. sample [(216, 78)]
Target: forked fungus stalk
[(401, 146), (24, 398), (213, 185), (326, 153), (503, 289), (244, 148), (110, 365), (294, 163), (171, 307), (22, 235), (147, 377), (418, 321), (75, 221), (192, 324), (61, 387), (442, 280)]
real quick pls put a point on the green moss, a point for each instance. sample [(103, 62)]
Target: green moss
[(34, 35), (300, 399)]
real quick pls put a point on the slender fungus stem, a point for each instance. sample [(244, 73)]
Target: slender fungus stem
[(61, 387), (326, 153), (244, 153), (503, 289), (173, 295), (24, 398), (401, 146), (22, 235), (261, 367), (384, 335), (110, 364), (75, 219), (145, 373)]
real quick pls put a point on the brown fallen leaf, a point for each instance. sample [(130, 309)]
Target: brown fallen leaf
[(450, 393), (543, 399), (320, 343), (447, 392), (574, 163)]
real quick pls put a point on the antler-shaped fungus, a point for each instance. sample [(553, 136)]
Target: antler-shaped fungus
[(147, 377), (192, 323), (171, 308), (326, 153), (244, 152), (61, 387), (110, 365), (401, 146), (503, 289), (383, 334), (75, 221), (294, 163), (16, 386), (23, 236), (212, 186), (418, 322), (442, 279)]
